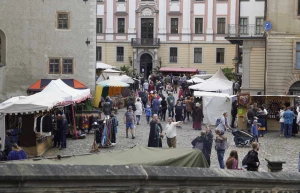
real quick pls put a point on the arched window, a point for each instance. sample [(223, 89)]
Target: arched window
[(2, 48)]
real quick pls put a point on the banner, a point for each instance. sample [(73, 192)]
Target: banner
[(244, 99)]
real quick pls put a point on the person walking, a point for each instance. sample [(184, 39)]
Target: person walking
[(232, 162), (155, 133), (252, 161), (170, 132), (63, 132), (201, 143), (171, 103), (57, 133), (175, 85), (288, 116), (163, 107), (148, 113), (129, 121), (139, 110), (234, 112), (107, 108), (209, 137), (224, 122), (281, 120), (155, 104), (16, 153), (115, 124), (221, 145), (254, 130), (146, 86), (189, 107), (197, 117)]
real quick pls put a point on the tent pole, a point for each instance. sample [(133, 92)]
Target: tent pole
[(74, 122)]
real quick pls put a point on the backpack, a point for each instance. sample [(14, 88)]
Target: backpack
[(218, 121), (247, 159), (116, 122)]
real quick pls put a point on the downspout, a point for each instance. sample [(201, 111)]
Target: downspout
[(265, 83)]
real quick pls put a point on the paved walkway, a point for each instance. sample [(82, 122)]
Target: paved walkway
[(272, 146)]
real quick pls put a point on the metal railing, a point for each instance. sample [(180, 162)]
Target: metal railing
[(145, 42), (245, 30)]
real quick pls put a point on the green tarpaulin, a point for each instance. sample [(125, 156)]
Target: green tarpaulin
[(181, 157)]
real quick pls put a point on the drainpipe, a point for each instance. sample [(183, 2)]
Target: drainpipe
[(265, 84)]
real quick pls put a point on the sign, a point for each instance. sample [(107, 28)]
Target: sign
[(244, 99)]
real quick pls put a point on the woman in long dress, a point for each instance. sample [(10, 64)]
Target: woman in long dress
[(262, 120), (197, 117)]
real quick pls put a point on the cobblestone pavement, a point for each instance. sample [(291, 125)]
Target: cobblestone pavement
[(272, 146)]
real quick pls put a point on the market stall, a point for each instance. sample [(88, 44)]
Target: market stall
[(214, 105), (101, 65), (195, 80), (217, 83), (103, 75), (111, 87), (20, 114)]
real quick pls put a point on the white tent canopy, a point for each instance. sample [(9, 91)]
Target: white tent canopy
[(101, 65), (107, 73), (123, 78), (196, 80), (217, 83), (214, 105)]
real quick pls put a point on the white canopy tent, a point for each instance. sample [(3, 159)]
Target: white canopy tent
[(123, 78), (217, 83), (101, 65), (196, 80), (214, 105), (107, 73), (55, 93)]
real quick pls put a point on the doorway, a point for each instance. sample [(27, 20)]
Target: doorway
[(295, 89), (146, 65), (147, 28)]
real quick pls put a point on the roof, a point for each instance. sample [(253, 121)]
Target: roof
[(101, 65), (42, 83), (196, 80), (113, 83), (172, 69), (211, 94)]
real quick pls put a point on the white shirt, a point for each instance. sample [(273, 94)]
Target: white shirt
[(170, 129), (265, 111), (281, 120), (298, 119), (139, 108), (146, 85)]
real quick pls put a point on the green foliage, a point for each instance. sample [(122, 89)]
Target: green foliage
[(125, 69), (229, 73), (156, 70)]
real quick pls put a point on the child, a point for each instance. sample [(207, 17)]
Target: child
[(254, 130), (148, 113)]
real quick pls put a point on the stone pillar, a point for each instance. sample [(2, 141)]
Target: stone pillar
[(155, 59), (246, 68), (162, 28), (135, 61), (186, 20), (109, 20), (210, 16), (132, 19)]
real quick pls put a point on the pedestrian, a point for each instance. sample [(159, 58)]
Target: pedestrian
[(115, 124), (252, 161), (288, 116), (57, 133), (180, 93), (142, 83), (209, 137), (183, 105), (145, 99), (163, 106), (155, 104), (281, 120), (16, 153), (148, 113), (175, 84), (236, 87), (234, 111), (139, 110), (151, 95), (131, 103), (249, 117), (224, 122), (129, 121), (262, 120), (3, 156), (189, 107), (170, 132), (197, 117), (107, 108), (232, 162), (254, 130), (63, 132), (171, 103), (146, 86), (201, 143), (221, 145), (151, 87), (155, 133), (178, 112)]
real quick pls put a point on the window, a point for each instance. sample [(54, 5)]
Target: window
[(259, 26), (120, 54), (53, 66), (298, 55), (99, 53), (220, 55), (174, 25), (221, 26), (198, 25), (121, 25), (67, 66), (99, 25), (173, 55), (197, 55), (243, 26), (63, 21)]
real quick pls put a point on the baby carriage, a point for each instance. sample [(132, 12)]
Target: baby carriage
[(242, 138)]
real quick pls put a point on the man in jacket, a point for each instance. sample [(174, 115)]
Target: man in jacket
[(189, 107), (288, 116), (201, 143), (155, 105), (221, 145), (252, 160), (107, 108), (63, 131)]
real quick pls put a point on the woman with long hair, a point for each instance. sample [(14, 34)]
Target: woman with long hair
[(233, 161), (16, 153)]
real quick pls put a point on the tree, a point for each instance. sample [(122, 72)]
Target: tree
[(125, 69), (229, 73)]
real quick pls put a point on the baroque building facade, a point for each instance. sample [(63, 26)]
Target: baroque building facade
[(46, 39), (177, 33)]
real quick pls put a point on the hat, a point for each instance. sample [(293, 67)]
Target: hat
[(197, 104)]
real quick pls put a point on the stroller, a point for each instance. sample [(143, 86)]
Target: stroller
[(242, 138)]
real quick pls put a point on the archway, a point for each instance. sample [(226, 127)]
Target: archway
[(146, 64), (2, 48), (295, 88)]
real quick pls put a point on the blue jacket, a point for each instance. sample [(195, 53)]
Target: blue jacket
[(155, 104), (288, 117), (148, 112), (254, 130)]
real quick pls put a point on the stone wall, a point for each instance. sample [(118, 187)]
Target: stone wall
[(145, 179)]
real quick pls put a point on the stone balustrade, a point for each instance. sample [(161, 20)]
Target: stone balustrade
[(124, 179)]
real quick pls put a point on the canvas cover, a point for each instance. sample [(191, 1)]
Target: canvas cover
[(214, 105), (123, 78), (181, 157), (196, 80), (217, 83), (107, 73), (101, 65)]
